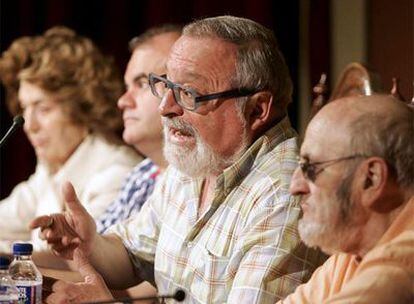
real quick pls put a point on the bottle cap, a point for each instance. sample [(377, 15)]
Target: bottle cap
[(22, 249), (4, 262)]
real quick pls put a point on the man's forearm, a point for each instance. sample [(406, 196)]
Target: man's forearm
[(111, 260), (47, 259)]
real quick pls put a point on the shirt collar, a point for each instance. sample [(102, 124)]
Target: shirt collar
[(404, 221), (265, 143)]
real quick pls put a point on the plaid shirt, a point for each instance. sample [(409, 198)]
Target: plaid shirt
[(134, 193), (245, 248)]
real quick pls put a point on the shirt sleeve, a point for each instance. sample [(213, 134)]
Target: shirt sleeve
[(385, 275), (379, 284), (16, 211), (112, 211), (103, 188), (140, 234), (135, 192), (273, 259), (382, 277), (325, 281)]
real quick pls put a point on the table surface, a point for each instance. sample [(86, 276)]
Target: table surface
[(51, 275)]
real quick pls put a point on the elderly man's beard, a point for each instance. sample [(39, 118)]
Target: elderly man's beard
[(198, 161), (336, 226)]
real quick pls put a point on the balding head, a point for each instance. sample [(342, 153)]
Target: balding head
[(377, 125), (350, 108), (356, 172)]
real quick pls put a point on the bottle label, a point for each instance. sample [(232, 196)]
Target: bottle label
[(6, 297), (8, 300), (29, 292)]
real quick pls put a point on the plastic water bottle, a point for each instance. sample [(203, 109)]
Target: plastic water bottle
[(25, 274), (8, 291)]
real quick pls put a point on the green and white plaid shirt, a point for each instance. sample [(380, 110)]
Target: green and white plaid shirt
[(245, 248)]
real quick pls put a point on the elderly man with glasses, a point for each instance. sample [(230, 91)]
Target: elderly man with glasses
[(221, 225), (356, 178)]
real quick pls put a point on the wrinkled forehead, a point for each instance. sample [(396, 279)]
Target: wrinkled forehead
[(326, 137), (202, 55)]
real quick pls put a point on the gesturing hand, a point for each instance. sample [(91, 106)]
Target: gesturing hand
[(68, 230), (92, 289)]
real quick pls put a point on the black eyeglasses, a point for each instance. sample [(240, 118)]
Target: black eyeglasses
[(311, 170), (188, 98)]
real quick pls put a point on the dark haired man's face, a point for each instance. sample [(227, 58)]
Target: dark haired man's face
[(142, 122)]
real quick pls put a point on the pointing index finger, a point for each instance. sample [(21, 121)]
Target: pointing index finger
[(44, 221)]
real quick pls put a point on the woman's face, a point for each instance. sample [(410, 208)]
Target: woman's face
[(49, 129)]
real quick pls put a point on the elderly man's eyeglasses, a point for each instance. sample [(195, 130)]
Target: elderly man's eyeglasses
[(311, 170), (186, 97)]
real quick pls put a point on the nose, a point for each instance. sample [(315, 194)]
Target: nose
[(169, 107), (31, 123), (127, 100), (298, 184)]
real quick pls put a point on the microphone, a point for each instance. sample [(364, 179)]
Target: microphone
[(178, 296), (18, 121)]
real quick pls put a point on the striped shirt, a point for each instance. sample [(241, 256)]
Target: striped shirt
[(137, 188), (244, 248)]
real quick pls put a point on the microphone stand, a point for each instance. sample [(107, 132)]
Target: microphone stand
[(18, 121)]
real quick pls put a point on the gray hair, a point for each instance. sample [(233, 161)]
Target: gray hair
[(260, 64), (389, 135)]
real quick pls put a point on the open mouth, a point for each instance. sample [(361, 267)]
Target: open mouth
[(180, 133), (180, 136)]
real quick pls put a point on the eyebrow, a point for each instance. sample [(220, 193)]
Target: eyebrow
[(191, 75), (32, 103), (137, 77)]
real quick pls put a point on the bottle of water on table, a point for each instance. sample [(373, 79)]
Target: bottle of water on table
[(25, 274), (8, 291)]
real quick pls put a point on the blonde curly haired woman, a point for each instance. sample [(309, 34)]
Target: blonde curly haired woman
[(66, 91)]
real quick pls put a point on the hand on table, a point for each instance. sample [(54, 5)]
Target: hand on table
[(93, 287)]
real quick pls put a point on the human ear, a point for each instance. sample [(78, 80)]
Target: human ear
[(377, 171), (259, 109), (375, 174)]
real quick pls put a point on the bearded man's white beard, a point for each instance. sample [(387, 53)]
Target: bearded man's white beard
[(199, 161)]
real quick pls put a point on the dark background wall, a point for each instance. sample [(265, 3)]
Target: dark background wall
[(112, 23), (391, 42)]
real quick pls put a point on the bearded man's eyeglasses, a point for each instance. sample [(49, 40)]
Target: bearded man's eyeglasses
[(311, 170), (188, 98)]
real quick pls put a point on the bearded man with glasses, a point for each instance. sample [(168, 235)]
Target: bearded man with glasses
[(356, 179), (221, 224)]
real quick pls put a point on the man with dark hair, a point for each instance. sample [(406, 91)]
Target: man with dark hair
[(356, 178), (142, 122), (221, 224)]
